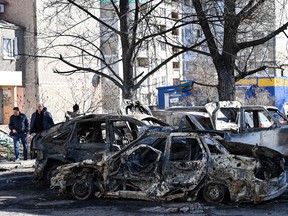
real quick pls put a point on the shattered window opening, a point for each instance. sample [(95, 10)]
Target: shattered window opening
[(228, 115), (91, 132), (185, 149), (124, 132), (213, 148), (257, 119)]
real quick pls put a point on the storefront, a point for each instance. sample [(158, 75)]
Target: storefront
[(9, 93)]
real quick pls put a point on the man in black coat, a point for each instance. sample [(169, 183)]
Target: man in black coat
[(41, 120), (19, 127)]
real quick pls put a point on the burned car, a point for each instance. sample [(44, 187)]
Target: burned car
[(171, 165), (253, 125), (277, 114), (85, 137)]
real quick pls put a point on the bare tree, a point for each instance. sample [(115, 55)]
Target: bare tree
[(85, 95), (111, 37), (236, 32)]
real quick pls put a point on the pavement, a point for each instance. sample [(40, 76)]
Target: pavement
[(14, 165), (13, 172)]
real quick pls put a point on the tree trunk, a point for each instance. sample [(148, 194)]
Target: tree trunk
[(128, 86), (226, 84), (127, 58)]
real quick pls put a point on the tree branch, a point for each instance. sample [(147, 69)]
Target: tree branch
[(244, 45), (93, 16), (161, 65), (90, 70), (206, 30), (203, 84), (247, 73)]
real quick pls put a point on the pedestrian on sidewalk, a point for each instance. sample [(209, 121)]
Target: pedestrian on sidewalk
[(41, 120), (19, 127)]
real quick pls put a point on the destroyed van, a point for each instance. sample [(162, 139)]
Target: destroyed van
[(85, 137), (178, 165)]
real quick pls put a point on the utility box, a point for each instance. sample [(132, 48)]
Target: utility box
[(169, 96)]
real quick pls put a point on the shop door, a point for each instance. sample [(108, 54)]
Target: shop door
[(8, 103)]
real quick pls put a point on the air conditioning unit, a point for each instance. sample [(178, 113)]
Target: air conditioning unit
[(2, 8)]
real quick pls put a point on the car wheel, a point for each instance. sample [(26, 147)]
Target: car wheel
[(214, 193), (50, 171), (83, 190)]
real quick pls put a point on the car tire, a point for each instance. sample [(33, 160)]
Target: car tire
[(50, 171), (214, 193), (83, 190)]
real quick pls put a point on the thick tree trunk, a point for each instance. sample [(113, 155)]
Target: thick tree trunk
[(226, 85), (128, 86), (127, 58)]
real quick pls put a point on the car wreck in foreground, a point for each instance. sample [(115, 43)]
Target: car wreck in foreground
[(172, 165)]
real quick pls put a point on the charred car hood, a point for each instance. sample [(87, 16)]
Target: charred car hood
[(255, 151), (38, 137)]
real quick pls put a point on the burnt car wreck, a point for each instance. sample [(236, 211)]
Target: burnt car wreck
[(85, 137), (171, 165)]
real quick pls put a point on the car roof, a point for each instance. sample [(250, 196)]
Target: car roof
[(104, 116)]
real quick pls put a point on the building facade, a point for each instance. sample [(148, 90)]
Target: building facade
[(12, 72)]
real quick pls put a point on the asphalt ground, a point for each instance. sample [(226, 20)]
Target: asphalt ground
[(20, 196)]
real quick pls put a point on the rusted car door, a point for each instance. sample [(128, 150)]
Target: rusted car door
[(186, 161)]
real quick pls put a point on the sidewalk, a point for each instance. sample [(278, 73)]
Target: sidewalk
[(10, 165)]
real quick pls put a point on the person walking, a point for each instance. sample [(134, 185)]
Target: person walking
[(41, 120), (19, 127)]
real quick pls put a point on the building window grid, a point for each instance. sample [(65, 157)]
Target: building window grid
[(10, 48)]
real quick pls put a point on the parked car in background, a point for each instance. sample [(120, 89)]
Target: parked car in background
[(277, 114), (149, 120), (252, 125), (247, 124), (172, 165)]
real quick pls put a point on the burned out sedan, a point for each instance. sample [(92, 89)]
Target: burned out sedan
[(186, 165), (85, 137)]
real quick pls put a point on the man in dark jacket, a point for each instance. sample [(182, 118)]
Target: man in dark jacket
[(41, 120), (19, 127)]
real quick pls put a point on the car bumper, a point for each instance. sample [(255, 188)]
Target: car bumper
[(258, 190), (270, 189)]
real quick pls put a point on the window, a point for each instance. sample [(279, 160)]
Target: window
[(10, 48), (162, 12), (176, 65), (257, 119), (143, 62), (162, 46), (162, 28), (124, 132), (91, 132), (175, 32), (174, 15), (185, 149), (175, 50)]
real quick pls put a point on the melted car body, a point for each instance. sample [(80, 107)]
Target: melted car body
[(85, 137), (167, 166)]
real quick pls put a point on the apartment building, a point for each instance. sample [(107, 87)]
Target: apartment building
[(29, 27), (12, 70)]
